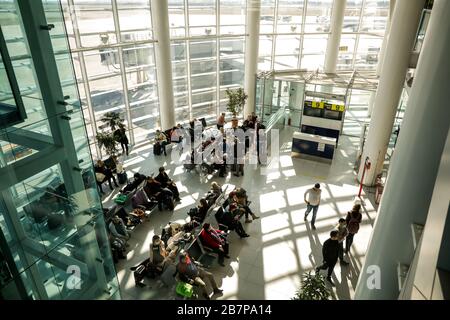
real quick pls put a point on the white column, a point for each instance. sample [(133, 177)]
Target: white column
[(414, 168), (371, 102), (401, 40), (334, 39), (160, 17), (251, 53), (386, 37)]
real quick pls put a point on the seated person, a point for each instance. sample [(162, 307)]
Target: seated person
[(216, 240), (248, 123), (216, 188), (140, 199), (191, 273), (153, 189), (158, 254), (176, 135), (137, 180), (199, 213), (103, 173), (241, 201), (168, 183), (118, 229), (229, 219), (161, 139)]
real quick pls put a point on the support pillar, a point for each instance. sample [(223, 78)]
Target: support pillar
[(414, 168), (251, 53), (160, 17), (371, 102), (334, 39), (385, 38), (405, 22)]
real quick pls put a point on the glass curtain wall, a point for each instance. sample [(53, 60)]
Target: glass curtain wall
[(112, 44), (53, 240), (207, 56), (112, 47), (294, 34)]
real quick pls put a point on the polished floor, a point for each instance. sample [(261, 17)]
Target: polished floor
[(282, 246)]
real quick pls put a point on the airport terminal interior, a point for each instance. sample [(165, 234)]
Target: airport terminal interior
[(224, 149)]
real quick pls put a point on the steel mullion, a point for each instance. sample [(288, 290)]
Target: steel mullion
[(122, 70), (84, 74)]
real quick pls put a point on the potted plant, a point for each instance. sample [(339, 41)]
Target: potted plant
[(112, 119), (107, 141), (313, 287), (236, 102)]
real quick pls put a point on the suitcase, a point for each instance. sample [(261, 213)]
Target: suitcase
[(122, 177), (157, 149), (140, 272)]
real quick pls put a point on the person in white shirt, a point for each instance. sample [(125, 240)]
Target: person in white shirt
[(312, 199)]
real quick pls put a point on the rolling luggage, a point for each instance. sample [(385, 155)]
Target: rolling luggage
[(122, 177), (157, 149), (140, 272)]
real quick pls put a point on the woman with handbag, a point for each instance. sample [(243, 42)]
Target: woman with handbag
[(353, 221)]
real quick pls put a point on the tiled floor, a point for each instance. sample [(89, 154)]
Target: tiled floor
[(269, 264)]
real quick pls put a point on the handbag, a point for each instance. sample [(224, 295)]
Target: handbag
[(184, 289), (121, 198), (100, 176)]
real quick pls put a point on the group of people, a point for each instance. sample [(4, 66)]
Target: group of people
[(249, 123), (333, 248), (163, 189), (104, 173), (164, 250), (233, 209), (118, 236)]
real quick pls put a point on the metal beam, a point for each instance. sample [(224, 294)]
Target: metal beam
[(30, 166), (37, 32), (30, 139), (54, 257)]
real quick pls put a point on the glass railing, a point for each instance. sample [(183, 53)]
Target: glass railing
[(51, 218)]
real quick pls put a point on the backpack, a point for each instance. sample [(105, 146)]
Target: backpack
[(353, 224)]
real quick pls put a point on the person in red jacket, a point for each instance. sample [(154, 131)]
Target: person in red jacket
[(216, 240)]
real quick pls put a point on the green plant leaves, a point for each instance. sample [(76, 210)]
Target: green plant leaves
[(236, 100), (313, 287)]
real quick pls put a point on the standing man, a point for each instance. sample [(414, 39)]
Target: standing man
[(330, 253), (221, 121), (312, 199), (121, 136)]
